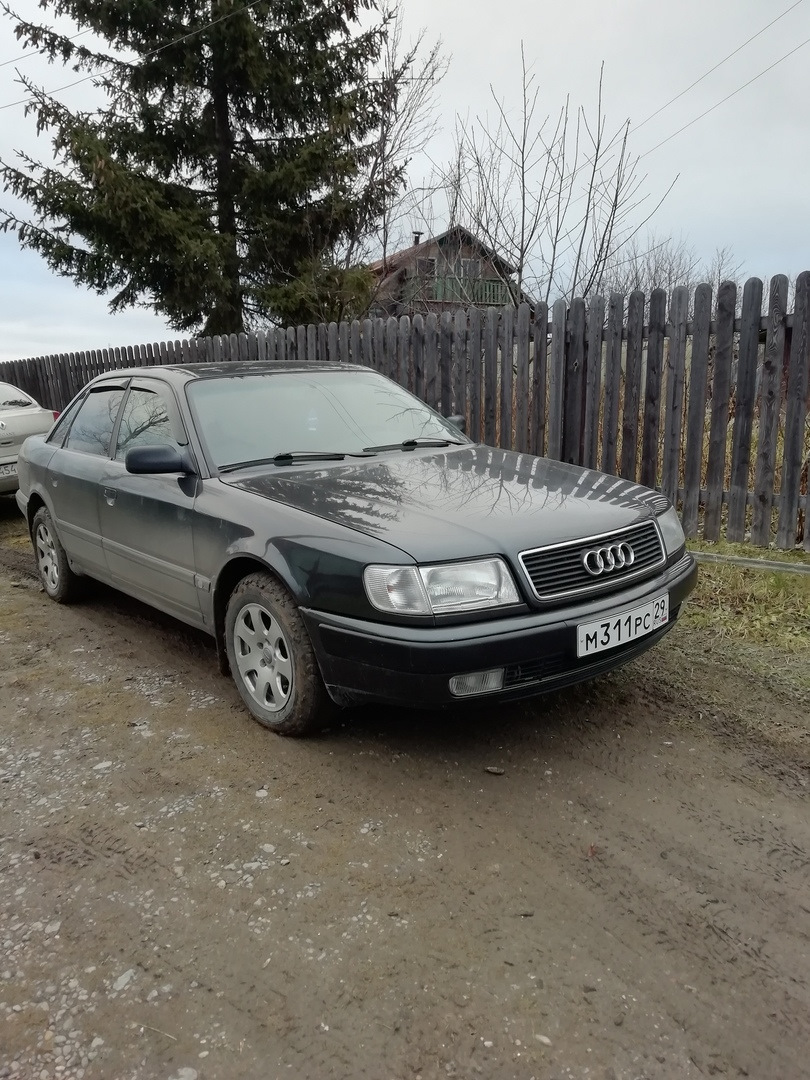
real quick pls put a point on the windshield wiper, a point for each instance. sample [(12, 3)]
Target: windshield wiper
[(15, 403), (289, 457), (413, 444)]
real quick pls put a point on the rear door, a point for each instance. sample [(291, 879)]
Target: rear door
[(146, 520), (74, 473)]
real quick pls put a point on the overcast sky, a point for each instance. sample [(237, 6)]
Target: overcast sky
[(743, 170)]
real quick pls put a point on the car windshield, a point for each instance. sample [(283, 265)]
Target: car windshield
[(12, 398), (254, 418)]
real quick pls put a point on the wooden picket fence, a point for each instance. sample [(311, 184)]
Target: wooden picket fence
[(672, 392)]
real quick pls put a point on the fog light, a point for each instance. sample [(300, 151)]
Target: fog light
[(478, 682)]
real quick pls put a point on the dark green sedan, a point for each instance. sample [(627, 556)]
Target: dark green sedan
[(343, 542)]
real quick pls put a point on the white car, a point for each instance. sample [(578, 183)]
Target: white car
[(20, 416)]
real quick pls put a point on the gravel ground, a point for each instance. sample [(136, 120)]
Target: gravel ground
[(610, 882)]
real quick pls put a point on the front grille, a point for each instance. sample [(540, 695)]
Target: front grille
[(558, 572)]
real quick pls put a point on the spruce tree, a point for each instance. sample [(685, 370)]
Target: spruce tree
[(226, 162)]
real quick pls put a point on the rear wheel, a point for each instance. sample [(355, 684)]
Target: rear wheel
[(271, 657), (58, 580)]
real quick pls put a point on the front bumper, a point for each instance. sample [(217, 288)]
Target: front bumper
[(412, 666)]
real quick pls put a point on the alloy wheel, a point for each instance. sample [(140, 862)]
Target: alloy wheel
[(263, 657), (46, 557)]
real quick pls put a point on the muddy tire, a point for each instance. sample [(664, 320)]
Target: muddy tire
[(271, 658), (53, 568)]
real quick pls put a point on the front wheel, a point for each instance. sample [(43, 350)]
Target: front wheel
[(58, 580), (271, 657)]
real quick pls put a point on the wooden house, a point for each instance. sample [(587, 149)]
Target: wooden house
[(454, 269)]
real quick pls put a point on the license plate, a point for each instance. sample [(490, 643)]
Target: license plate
[(9, 470), (622, 627)]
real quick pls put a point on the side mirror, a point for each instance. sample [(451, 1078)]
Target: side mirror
[(158, 459), (458, 421)]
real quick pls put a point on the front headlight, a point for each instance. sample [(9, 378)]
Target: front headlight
[(671, 531), (442, 589)]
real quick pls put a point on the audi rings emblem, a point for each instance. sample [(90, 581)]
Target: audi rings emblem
[(603, 560)]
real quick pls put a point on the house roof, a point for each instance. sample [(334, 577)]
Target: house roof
[(391, 263)]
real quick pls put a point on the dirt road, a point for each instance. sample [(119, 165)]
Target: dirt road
[(609, 883)]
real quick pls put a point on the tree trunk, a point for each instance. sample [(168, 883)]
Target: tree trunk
[(228, 316)]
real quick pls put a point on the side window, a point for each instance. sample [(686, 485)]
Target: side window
[(92, 429), (59, 431), (145, 422)]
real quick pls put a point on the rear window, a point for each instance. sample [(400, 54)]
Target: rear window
[(11, 397)]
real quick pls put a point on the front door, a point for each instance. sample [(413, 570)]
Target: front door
[(146, 520)]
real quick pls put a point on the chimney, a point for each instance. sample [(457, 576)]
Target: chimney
[(417, 238)]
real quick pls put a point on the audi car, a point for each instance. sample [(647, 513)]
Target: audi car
[(343, 542), (20, 416)]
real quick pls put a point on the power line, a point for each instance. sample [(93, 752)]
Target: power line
[(146, 56), (608, 152), (728, 97), (605, 156), (637, 127), (28, 54), (719, 64)]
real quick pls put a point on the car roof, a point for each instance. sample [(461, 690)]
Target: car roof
[(183, 373)]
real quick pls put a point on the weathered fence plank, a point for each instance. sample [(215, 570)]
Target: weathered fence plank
[(556, 379), (446, 364), (613, 374), (507, 338), (258, 346), (459, 406), (432, 386), (632, 385), (769, 412), (491, 378), (418, 346), (696, 412), (342, 354), (391, 338), (652, 388), (676, 375), (522, 379), (795, 410), (367, 343), (404, 352), (721, 391), (474, 375), (574, 385), (745, 398), (355, 342), (332, 346), (593, 382), (539, 379)]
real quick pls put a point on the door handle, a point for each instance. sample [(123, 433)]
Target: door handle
[(110, 494)]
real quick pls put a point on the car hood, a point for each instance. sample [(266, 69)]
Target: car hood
[(474, 500)]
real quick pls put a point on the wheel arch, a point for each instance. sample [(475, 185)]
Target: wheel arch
[(35, 503), (234, 571)]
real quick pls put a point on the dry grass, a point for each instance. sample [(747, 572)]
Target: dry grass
[(762, 607)]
